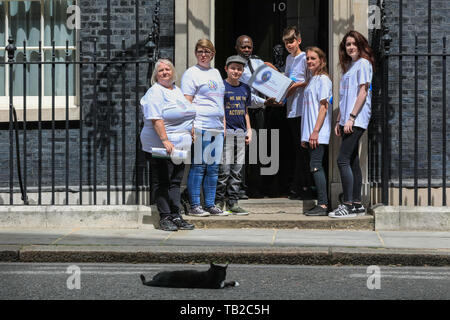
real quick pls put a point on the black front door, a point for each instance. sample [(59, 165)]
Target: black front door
[(264, 21)]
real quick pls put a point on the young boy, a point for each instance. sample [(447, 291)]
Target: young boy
[(237, 124), (296, 69)]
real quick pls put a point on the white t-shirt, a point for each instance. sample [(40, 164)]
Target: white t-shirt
[(257, 101), (297, 71), (360, 72), (208, 90), (318, 89), (176, 111)]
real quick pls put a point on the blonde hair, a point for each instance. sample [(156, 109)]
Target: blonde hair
[(155, 70), (323, 60), (205, 43)]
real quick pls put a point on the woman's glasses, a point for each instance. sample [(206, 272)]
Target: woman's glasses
[(204, 52)]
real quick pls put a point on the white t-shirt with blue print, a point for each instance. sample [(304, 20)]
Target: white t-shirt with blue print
[(360, 72), (319, 88), (174, 109), (208, 90), (297, 71)]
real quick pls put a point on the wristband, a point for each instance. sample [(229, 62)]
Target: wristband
[(352, 116)]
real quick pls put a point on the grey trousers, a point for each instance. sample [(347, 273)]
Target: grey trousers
[(229, 181)]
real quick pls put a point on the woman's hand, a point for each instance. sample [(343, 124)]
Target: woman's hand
[(348, 127), (194, 137), (314, 139), (169, 146), (337, 129), (248, 137)]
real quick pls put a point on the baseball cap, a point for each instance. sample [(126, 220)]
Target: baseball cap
[(237, 59)]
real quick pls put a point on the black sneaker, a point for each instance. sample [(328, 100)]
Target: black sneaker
[(242, 195), (317, 211), (182, 224), (167, 224), (294, 196)]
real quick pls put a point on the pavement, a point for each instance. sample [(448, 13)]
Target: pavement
[(275, 232), (240, 246)]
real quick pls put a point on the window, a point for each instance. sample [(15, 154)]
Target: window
[(33, 21)]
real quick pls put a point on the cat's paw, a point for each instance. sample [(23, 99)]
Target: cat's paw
[(236, 284), (142, 278)]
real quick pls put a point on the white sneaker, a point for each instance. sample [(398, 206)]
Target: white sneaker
[(198, 212), (342, 212), (361, 211)]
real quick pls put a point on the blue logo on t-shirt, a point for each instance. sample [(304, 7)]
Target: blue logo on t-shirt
[(212, 85)]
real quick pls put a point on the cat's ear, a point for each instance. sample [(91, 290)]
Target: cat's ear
[(211, 264)]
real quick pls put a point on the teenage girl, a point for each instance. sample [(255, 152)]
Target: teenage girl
[(356, 61), (316, 123)]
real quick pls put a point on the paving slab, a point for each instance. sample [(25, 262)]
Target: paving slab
[(411, 239), (349, 238), (31, 236), (127, 237), (222, 237)]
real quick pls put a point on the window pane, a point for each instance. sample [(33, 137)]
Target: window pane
[(60, 74), (32, 74), (25, 17), (56, 23)]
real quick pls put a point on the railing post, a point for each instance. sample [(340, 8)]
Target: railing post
[(386, 39), (11, 49)]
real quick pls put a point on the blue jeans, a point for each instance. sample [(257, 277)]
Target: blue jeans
[(206, 157)]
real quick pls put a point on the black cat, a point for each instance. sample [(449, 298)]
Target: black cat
[(214, 278)]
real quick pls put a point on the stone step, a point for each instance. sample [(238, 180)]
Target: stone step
[(281, 213), (276, 205), (282, 221)]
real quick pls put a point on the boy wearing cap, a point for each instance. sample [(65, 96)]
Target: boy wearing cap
[(238, 134)]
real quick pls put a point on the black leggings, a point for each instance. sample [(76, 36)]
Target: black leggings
[(348, 163), (166, 180)]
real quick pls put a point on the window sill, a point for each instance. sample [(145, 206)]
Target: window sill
[(32, 113)]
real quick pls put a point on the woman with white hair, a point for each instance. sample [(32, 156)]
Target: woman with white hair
[(168, 122)]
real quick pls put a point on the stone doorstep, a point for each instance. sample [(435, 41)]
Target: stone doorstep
[(282, 221), (280, 213)]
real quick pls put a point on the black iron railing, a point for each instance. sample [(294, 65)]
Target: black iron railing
[(99, 118), (388, 162)]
